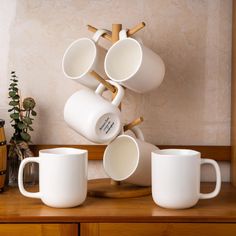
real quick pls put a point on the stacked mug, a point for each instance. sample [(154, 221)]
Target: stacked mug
[(127, 63)]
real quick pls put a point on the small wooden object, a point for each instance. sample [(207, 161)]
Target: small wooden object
[(130, 32), (133, 123), (104, 188), (106, 35), (109, 86), (135, 29), (116, 28)]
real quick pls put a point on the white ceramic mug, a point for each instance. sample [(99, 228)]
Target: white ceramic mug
[(133, 65), (176, 178), (62, 177), (129, 159), (81, 57), (92, 116)]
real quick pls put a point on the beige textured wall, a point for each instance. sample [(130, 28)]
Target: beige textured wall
[(192, 106)]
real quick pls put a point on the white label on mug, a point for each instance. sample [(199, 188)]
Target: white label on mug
[(107, 124)]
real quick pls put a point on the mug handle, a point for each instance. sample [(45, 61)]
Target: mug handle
[(20, 177), (98, 34), (218, 179), (119, 94), (123, 34), (138, 133)]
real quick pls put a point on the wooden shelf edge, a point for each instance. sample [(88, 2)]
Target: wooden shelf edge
[(218, 153)]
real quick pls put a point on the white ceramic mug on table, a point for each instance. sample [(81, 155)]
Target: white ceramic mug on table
[(62, 177), (81, 57), (93, 116), (176, 178), (133, 65), (129, 159)]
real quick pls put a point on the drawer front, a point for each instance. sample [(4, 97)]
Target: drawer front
[(39, 229), (151, 229)]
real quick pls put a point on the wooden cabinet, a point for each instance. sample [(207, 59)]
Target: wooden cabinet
[(124, 217), (39, 229), (155, 229)]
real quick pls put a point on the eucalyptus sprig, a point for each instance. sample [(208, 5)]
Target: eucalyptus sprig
[(20, 114)]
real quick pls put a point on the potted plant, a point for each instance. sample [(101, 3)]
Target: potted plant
[(21, 114)]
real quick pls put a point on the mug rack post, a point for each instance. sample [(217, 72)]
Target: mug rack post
[(116, 28), (115, 189)]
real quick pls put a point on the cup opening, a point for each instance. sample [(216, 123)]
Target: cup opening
[(123, 60), (121, 158), (79, 58), (178, 152), (62, 151)]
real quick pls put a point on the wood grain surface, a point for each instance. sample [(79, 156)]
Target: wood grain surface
[(39, 229), (150, 229), (16, 208), (105, 188)]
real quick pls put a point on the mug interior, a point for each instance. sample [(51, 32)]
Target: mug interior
[(176, 152), (62, 151), (121, 158), (79, 58), (123, 60)]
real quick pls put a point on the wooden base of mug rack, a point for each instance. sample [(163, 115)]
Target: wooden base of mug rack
[(107, 189)]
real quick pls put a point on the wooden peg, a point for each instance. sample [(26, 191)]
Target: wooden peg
[(135, 29), (109, 86), (106, 35), (133, 123)]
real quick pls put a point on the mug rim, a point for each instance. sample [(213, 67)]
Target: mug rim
[(137, 159), (60, 152), (175, 152), (67, 51), (108, 53)]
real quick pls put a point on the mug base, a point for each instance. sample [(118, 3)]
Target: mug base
[(175, 206), (63, 205)]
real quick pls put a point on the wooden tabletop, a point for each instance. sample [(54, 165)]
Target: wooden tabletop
[(16, 208)]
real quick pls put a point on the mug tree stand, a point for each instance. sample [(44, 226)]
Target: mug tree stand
[(107, 187)]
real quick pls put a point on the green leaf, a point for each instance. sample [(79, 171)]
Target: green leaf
[(16, 109), (13, 84), (15, 80), (12, 93), (15, 116), (21, 125), (25, 136), (16, 97), (33, 113), (11, 109), (13, 103), (30, 128), (27, 121), (15, 89)]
